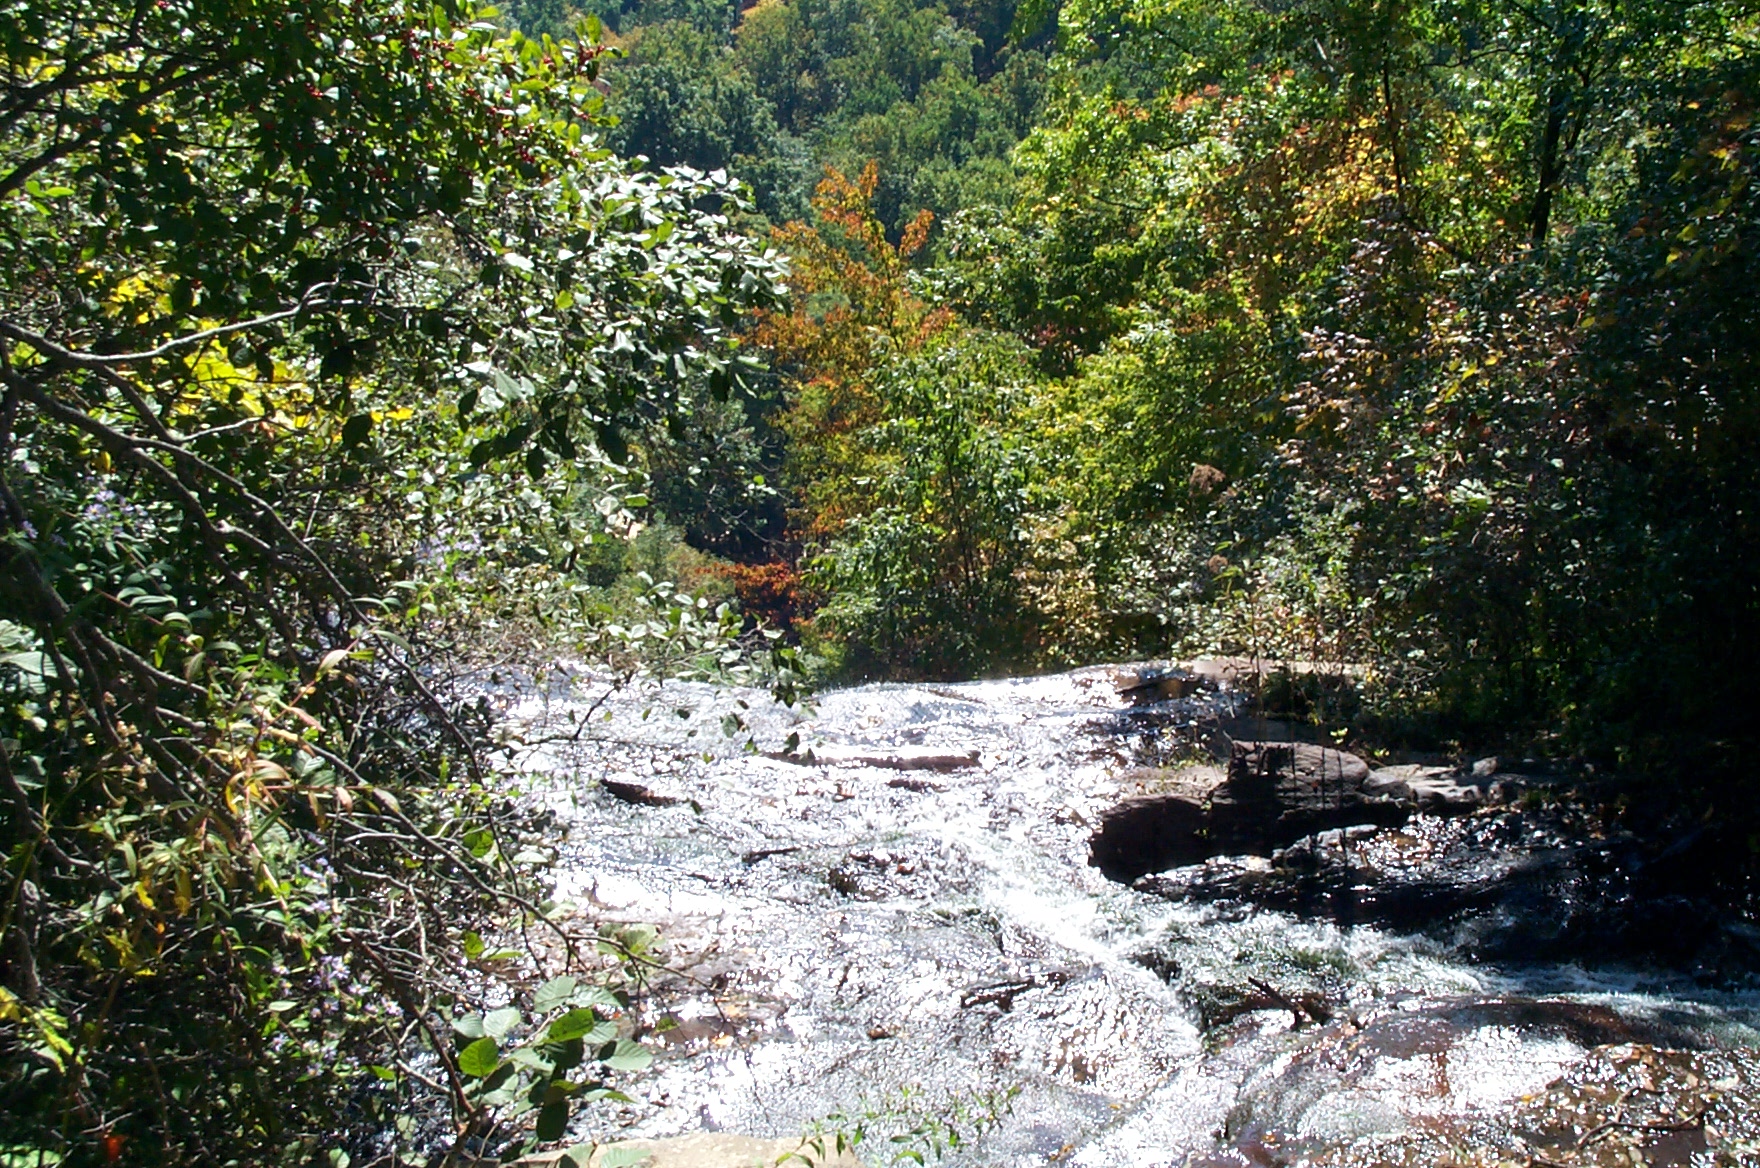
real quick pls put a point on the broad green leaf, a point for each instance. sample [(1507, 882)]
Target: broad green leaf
[(480, 1058), (577, 1024), (596, 997), (625, 1055), (497, 1023), (554, 993), (553, 1120)]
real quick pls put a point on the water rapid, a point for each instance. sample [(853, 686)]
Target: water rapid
[(904, 901)]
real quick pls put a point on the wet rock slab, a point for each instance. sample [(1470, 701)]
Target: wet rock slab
[(844, 930), (1273, 794), (1497, 886), (1466, 1086)]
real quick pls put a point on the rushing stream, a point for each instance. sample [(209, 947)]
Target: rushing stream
[(914, 907)]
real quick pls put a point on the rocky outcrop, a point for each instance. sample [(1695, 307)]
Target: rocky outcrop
[(1444, 790), (1274, 793), (1507, 886), (1570, 1083)]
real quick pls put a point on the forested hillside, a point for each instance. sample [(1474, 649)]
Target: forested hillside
[(346, 345), (1412, 334)]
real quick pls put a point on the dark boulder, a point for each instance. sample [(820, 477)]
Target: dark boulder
[(1510, 887), (1274, 794), (1150, 833)]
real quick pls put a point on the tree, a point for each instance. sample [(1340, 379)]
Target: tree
[(923, 576), (290, 296), (1362, 258), (678, 100)]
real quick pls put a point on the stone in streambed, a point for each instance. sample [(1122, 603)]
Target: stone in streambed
[(1149, 684), (1447, 790), (1150, 833), (1298, 769), (627, 790), (890, 758), (1274, 793)]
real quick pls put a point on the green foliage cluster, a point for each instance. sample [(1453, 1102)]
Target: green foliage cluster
[(904, 1127), (1453, 297), (924, 577), (326, 331), (1415, 333), (779, 90)]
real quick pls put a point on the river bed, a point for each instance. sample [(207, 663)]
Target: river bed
[(900, 914)]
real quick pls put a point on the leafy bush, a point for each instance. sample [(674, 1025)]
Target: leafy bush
[(924, 580), (323, 328)]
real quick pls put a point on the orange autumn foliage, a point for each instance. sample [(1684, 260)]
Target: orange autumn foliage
[(852, 305)]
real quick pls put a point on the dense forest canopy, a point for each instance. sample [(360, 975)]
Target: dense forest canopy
[(344, 341), (1410, 334)]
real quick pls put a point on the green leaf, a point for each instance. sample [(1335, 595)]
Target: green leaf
[(622, 1156), (480, 1058), (553, 1120), (625, 1055), (497, 1023), (574, 1024), (533, 1058), (596, 996), (554, 993)]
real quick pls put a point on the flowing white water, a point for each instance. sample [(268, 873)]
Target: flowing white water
[(857, 928)]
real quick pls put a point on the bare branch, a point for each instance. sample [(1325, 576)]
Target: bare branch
[(65, 356)]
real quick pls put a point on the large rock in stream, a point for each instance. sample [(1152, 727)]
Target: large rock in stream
[(1481, 1082), (1505, 885), (1272, 795)]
